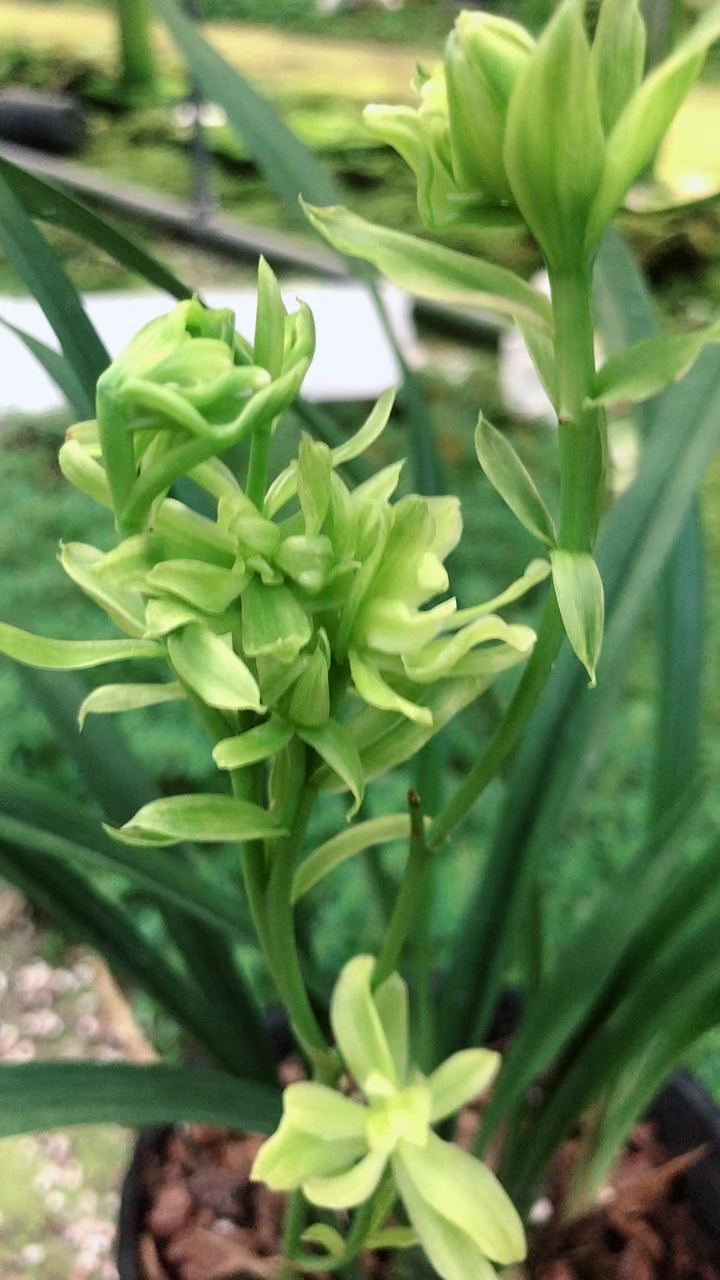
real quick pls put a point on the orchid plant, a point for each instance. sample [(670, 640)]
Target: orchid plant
[(309, 624)]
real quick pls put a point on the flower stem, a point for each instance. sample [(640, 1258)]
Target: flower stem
[(409, 896)]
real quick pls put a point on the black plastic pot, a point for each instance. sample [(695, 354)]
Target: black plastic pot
[(686, 1116), (54, 122)]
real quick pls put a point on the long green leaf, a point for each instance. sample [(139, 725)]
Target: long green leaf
[(83, 914), (36, 264), (34, 819), (290, 168), (55, 365), (48, 203), (48, 1095)]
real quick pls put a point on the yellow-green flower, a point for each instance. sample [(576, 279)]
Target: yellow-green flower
[(337, 1148)]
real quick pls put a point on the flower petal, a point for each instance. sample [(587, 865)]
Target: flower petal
[(378, 693), (345, 1190), (290, 1157), (314, 1108), (460, 1079), (453, 1253), (356, 1023), (464, 1192)]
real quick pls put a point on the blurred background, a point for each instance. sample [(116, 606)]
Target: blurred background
[(94, 96)]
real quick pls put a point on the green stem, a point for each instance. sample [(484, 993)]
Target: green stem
[(282, 941), (293, 1226), (409, 897), (258, 465)]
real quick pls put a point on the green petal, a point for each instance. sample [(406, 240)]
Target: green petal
[(314, 1108), (70, 655), (206, 586), (212, 669), (345, 1190), (110, 698), (310, 700), (464, 1192), (274, 622), (391, 1002), (338, 849), (256, 744), (453, 1254), (313, 480), (392, 626), (536, 572), (126, 608), (335, 746), (198, 817), (369, 432), (439, 658), (356, 1024), (378, 693), (87, 475), (460, 1079), (288, 1158)]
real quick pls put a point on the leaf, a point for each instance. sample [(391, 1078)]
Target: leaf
[(109, 699), (338, 849), (43, 200), (74, 906), (50, 1095), (198, 817), (511, 479), (70, 655), (35, 262), (288, 165), (430, 270), (56, 366), (335, 745), (58, 832), (212, 669), (579, 590), (646, 368)]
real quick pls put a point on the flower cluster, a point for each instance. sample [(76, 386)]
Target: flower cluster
[(299, 609), (339, 1149), (493, 140)]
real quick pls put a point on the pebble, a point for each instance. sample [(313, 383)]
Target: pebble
[(44, 1023)]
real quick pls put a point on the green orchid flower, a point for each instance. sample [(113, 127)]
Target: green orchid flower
[(310, 611), (338, 1149), (493, 141)]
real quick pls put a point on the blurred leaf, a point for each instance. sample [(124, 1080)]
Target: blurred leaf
[(57, 368), (36, 264), (33, 818), (50, 1095), (286, 163), (43, 200)]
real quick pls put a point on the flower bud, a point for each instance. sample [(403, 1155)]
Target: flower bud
[(483, 57)]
